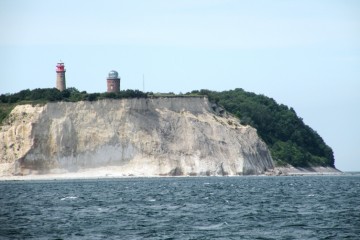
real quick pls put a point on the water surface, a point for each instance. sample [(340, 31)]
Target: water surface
[(303, 207)]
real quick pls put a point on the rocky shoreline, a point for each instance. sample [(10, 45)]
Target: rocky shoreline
[(115, 172), (293, 171)]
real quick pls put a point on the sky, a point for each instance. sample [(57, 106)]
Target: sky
[(302, 53)]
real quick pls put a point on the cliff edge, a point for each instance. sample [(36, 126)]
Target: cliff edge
[(140, 137)]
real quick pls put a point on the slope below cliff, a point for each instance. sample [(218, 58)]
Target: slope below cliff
[(141, 137)]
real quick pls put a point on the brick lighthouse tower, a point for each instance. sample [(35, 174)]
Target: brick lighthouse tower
[(113, 82), (60, 76)]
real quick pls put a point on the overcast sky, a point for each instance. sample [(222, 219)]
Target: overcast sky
[(303, 53)]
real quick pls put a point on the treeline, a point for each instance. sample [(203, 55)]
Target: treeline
[(290, 140), (68, 95), (44, 95)]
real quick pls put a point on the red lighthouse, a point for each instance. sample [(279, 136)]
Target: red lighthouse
[(60, 76)]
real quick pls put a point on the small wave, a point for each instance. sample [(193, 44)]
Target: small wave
[(211, 227), (311, 195), (71, 197), (102, 209)]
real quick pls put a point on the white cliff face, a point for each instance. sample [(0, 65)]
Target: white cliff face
[(141, 137)]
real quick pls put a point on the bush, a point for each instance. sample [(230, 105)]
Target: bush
[(289, 139)]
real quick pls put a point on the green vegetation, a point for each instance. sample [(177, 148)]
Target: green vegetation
[(44, 95), (289, 139), (5, 110)]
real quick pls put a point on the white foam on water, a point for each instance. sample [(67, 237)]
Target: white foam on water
[(99, 209), (70, 197)]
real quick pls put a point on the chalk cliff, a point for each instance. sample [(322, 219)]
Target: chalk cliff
[(141, 137)]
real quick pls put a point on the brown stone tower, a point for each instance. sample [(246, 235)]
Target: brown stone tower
[(113, 82), (60, 76)]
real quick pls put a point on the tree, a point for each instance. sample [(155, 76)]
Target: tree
[(289, 139)]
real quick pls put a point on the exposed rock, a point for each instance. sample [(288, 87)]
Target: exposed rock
[(296, 171), (142, 137)]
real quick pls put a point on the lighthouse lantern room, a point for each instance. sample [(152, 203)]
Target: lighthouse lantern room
[(60, 76)]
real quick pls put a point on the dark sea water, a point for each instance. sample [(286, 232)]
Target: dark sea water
[(304, 207)]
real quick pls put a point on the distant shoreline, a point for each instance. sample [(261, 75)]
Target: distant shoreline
[(108, 173)]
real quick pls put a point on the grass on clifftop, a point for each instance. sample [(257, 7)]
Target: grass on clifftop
[(290, 140)]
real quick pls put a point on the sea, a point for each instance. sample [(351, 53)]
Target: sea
[(244, 207)]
